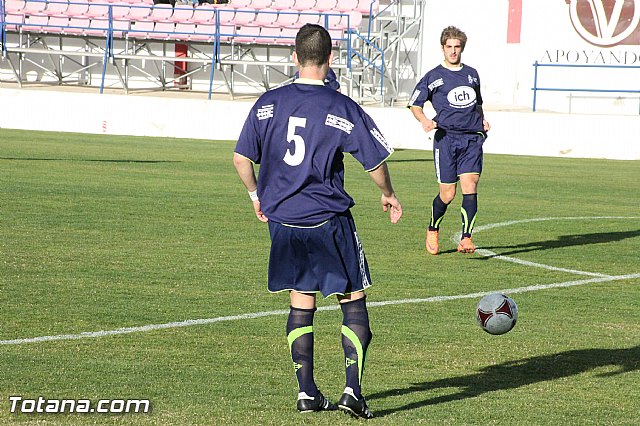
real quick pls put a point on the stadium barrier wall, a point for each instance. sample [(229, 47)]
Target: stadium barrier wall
[(513, 132)]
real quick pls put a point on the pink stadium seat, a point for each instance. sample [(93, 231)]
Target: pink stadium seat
[(161, 12), (355, 19), (97, 10), (287, 18), (121, 27), (97, 27), (237, 4), (247, 34), (365, 5), (266, 17), (260, 4), (14, 21), (287, 36), (138, 13), (226, 16), (32, 7), (182, 13), (308, 17), (78, 25), (56, 7), (163, 30), (332, 20), (304, 5), (283, 4), (325, 5), (204, 32), (184, 30), (347, 5), (227, 32), (203, 14), (243, 17), (336, 35), (57, 24), (78, 8), (36, 23), (119, 10), (141, 29), (13, 6), (269, 35)]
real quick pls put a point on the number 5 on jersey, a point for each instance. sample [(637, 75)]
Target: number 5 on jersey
[(296, 158)]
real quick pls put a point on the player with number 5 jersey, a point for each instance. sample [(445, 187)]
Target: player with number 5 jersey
[(299, 133)]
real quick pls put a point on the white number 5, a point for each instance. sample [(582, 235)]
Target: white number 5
[(296, 158)]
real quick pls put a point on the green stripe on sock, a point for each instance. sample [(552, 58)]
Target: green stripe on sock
[(295, 333), (349, 334)]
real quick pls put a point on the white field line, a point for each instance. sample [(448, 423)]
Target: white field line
[(188, 323)]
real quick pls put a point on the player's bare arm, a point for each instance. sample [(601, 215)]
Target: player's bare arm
[(427, 124), (388, 199), (244, 167), (485, 123)]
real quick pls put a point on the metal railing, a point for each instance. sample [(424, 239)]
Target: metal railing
[(536, 88)]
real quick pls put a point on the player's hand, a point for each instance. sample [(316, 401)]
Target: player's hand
[(392, 204), (486, 125), (258, 210), (429, 125)]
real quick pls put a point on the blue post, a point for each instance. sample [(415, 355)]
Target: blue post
[(214, 56), (535, 84), (108, 52)]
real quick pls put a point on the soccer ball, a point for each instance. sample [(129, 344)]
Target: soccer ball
[(496, 313)]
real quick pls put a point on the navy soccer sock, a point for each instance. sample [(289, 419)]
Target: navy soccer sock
[(356, 336), (300, 338), (468, 210), (438, 209)]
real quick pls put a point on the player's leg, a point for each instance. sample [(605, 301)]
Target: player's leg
[(470, 167), (356, 336), (444, 162), (300, 338)]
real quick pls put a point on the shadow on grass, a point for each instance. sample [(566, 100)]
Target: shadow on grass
[(88, 160), (565, 241), (515, 374)]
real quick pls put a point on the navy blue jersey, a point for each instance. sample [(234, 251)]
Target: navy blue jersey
[(331, 80), (455, 95), (298, 133)]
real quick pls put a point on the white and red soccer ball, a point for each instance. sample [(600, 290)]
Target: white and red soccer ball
[(497, 313)]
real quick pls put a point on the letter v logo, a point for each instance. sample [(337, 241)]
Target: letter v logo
[(591, 21)]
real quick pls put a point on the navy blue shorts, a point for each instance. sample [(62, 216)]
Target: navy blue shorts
[(456, 154), (328, 258)]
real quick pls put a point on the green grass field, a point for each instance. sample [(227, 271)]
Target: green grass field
[(100, 232)]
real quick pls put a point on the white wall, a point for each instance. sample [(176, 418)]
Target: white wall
[(527, 133)]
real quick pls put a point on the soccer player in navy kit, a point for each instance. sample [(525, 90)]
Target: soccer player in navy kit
[(453, 89), (298, 133)]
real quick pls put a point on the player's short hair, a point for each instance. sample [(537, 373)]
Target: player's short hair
[(452, 32), (313, 45)]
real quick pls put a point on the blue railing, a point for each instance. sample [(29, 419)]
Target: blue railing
[(536, 89)]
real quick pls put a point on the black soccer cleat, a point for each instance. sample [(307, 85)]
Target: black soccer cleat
[(309, 404), (354, 406)]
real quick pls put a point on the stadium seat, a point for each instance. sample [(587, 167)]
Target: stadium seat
[(238, 4), (304, 5), (325, 5), (14, 6), (287, 36), (203, 14), (57, 24), (204, 32), (33, 7), (184, 30), (56, 7), (347, 5), (243, 17), (266, 17), (14, 21), (260, 4), (98, 10), (141, 29), (160, 12), (163, 30), (182, 13), (77, 8), (355, 19), (226, 15), (119, 10), (121, 27), (77, 25), (283, 4), (365, 5), (98, 27), (269, 35), (308, 17), (287, 18), (138, 13), (36, 23), (247, 34)]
